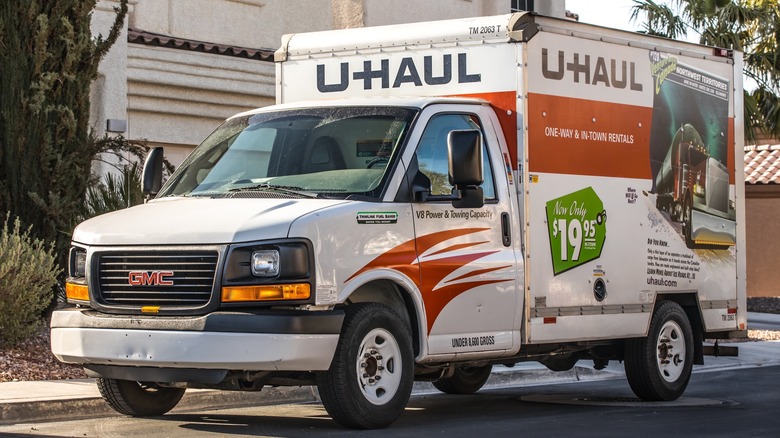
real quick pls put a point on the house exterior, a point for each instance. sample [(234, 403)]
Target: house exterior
[(183, 66), (762, 209)]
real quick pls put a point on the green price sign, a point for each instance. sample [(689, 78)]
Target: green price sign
[(577, 225)]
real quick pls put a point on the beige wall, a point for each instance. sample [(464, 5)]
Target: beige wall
[(382, 12), (261, 23), (179, 97), (762, 231), (246, 23)]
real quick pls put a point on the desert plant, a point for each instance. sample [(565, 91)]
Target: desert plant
[(28, 271), (122, 187), (48, 60), (115, 191)]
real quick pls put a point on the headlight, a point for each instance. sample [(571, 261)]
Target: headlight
[(76, 287), (78, 262), (268, 271), (265, 263), (268, 261)]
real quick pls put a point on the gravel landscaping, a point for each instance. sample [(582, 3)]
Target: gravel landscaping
[(32, 359)]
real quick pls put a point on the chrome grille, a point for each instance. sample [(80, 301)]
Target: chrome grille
[(193, 278)]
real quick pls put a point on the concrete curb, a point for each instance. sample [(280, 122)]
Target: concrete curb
[(193, 400)]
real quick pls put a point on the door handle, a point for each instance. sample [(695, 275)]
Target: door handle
[(506, 233)]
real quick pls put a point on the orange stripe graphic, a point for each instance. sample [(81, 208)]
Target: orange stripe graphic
[(480, 272), (457, 247), (585, 137), (504, 104), (429, 274)]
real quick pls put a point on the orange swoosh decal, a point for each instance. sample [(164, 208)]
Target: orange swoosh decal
[(434, 271), (402, 256), (480, 272), (428, 274), (457, 247)]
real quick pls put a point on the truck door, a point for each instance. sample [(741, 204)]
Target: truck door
[(465, 255)]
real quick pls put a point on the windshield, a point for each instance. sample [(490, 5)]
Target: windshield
[(332, 152)]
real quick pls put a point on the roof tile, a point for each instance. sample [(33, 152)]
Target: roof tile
[(762, 164), (139, 36)]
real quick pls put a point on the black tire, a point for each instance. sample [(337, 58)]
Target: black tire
[(137, 398), (659, 366), (370, 379), (465, 380)]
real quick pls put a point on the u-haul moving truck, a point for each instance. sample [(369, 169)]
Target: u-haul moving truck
[(428, 200)]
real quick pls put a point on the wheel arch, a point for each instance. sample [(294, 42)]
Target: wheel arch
[(396, 297)]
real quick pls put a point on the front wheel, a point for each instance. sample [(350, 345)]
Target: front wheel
[(464, 380), (138, 399), (370, 379), (659, 366)]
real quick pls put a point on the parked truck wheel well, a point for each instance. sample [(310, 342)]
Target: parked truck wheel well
[(689, 303), (394, 296)]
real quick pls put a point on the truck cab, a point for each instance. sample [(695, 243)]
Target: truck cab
[(297, 210)]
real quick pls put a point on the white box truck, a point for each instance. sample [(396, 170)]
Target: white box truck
[(426, 201)]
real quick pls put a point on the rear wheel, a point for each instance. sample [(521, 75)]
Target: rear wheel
[(464, 380), (370, 379), (138, 399), (659, 366)]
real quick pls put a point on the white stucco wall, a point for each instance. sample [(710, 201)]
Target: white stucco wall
[(261, 23), (108, 97), (179, 97), (246, 23), (381, 12)]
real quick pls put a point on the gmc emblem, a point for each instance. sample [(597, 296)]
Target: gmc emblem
[(149, 278)]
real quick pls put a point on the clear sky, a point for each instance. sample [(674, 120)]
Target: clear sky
[(616, 13), (609, 13), (612, 13)]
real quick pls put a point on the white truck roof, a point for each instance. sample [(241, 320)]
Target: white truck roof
[(406, 102), (516, 27)]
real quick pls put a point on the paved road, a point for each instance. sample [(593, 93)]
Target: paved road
[(763, 321), (724, 402)]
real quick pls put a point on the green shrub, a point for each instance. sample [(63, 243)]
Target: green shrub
[(28, 272), (115, 191)]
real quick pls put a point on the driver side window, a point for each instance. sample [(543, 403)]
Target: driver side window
[(432, 153)]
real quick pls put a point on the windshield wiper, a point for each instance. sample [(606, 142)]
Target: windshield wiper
[(290, 190)]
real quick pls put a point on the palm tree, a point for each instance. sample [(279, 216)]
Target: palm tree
[(751, 26)]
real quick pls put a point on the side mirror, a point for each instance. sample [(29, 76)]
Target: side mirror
[(151, 178), (465, 167), (465, 158)]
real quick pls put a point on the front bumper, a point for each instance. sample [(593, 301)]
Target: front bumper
[(252, 341)]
